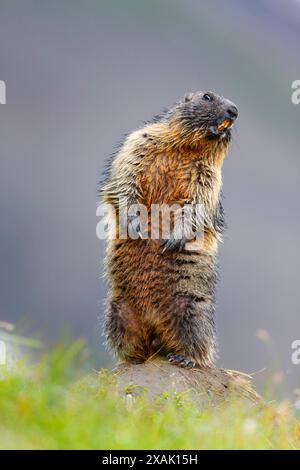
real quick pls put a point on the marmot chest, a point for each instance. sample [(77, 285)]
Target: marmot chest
[(178, 179)]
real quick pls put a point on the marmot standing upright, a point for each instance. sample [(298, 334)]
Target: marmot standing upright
[(161, 298)]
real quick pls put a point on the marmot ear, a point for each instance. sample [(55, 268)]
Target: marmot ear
[(188, 97)]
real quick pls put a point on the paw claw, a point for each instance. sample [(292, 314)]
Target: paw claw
[(180, 361)]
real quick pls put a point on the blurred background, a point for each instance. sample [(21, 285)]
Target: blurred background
[(79, 75)]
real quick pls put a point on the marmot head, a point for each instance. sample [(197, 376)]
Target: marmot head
[(205, 115)]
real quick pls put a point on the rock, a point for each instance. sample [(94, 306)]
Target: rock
[(203, 386)]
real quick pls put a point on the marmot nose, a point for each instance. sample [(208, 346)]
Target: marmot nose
[(232, 111)]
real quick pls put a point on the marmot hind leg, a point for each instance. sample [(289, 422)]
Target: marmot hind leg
[(126, 333), (188, 332)]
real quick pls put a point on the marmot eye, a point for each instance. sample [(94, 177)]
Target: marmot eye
[(207, 97)]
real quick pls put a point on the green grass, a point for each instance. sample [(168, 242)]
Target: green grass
[(51, 405)]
